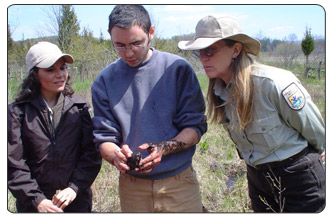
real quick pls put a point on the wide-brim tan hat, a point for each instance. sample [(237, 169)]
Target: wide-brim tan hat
[(44, 55), (210, 30)]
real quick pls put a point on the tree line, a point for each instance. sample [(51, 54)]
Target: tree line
[(93, 54)]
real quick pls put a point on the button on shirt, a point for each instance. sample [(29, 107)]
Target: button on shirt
[(285, 120)]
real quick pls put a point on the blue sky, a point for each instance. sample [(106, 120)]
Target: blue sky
[(274, 21)]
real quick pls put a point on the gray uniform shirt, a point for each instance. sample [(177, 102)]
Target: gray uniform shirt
[(285, 118)]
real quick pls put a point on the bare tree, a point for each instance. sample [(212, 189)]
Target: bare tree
[(286, 53)]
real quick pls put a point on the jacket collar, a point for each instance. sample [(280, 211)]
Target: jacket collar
[(39, 103), (221, 90)]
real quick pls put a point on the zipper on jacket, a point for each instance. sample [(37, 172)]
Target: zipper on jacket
[(52, 124), (51, 128), (53, 131)]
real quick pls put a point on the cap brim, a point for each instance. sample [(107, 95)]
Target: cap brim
[(52, 60)]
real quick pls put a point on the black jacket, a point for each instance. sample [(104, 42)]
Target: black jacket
[(41, 161)]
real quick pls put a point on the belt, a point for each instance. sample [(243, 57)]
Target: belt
[(285, 162)]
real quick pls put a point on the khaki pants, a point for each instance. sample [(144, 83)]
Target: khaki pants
[(179, 193)]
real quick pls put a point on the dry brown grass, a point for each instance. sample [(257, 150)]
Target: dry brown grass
[(216, 166), (220, 172), (105, 192)]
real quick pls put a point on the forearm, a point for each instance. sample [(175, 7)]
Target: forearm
[(187, 138), (26, 190), (20, 181), (88, 163)]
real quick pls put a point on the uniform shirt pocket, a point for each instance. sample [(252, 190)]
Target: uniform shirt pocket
[(264, 133)]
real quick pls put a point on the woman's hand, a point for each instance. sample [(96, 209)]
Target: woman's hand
[(46, 206), (64, 197)]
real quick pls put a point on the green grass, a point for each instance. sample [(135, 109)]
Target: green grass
[(13, 86), (216, 165), (316, 89), (203, 82), (81, 85)]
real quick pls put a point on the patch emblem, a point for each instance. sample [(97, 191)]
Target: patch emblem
[(294, 97)]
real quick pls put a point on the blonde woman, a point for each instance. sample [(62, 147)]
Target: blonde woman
[(270, 117)]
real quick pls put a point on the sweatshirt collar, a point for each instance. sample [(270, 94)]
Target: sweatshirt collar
[(154, 53)]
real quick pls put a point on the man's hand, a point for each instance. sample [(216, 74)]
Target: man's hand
[(64, 197), (120, 159), (115, 155), (46, 206), (150, 162)]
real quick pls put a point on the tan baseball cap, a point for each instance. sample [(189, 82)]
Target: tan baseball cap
[(44, 55), (210, 30)]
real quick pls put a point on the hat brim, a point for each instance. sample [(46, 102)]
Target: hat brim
[(251, 45), (197, 44), (52, 60)]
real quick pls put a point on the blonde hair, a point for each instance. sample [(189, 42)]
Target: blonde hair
[(241, 92)]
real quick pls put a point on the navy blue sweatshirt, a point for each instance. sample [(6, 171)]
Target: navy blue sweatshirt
[(152, 102)]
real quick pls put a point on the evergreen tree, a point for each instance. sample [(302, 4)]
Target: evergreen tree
[(68, 28), (307, 46)]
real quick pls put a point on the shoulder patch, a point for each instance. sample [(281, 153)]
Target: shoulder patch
[(294, 97)]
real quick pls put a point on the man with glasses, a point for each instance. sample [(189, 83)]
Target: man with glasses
[(148, 117)]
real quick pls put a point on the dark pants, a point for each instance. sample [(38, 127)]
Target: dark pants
[(295, 187)]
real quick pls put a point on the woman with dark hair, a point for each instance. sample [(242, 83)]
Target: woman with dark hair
[(52, 160), (277, 129)]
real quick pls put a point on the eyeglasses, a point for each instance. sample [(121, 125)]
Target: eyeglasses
[(208, 52), (133, 47)]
